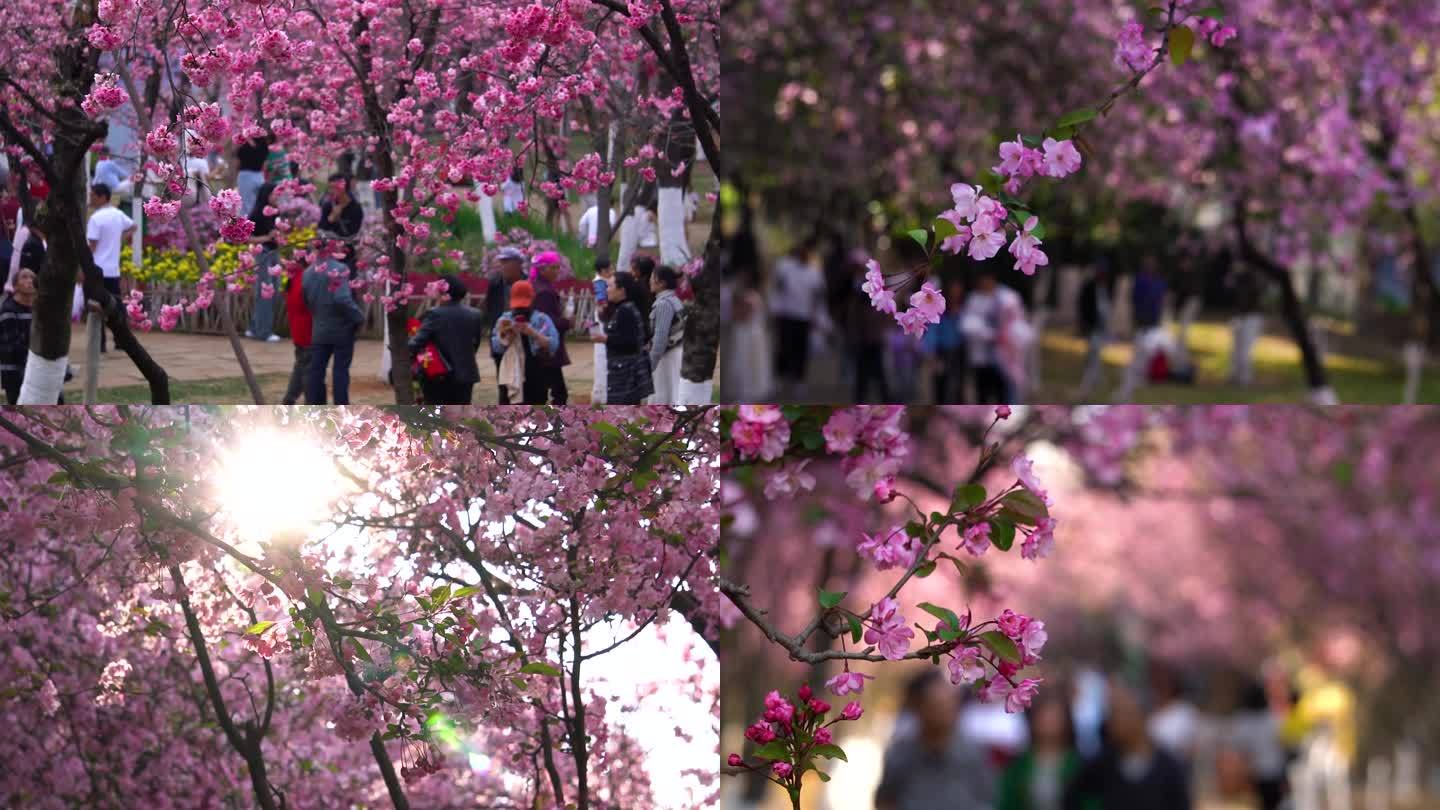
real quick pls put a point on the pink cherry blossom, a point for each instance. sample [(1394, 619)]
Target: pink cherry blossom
[(847, 682), (965, 666), (1061, 158), (888, 630)]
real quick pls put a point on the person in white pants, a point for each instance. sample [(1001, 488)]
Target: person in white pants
[(667, 335), (1245, 326)]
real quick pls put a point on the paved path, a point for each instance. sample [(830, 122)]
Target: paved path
[(190, 358)]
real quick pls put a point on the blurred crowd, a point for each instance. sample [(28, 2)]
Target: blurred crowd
[(1097, 741)]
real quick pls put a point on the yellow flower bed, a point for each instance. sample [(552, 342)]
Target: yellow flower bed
[(180, 267)]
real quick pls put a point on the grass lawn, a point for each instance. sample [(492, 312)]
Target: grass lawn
[(1366, 378)]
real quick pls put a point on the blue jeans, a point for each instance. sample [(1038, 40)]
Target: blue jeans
[(320, 355), (262, 319), (248, 184)]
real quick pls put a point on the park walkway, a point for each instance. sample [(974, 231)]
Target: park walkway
[(195, 359)]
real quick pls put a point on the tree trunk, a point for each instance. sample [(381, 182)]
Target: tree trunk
[(227, 317), (702, 323), (1292, 310)]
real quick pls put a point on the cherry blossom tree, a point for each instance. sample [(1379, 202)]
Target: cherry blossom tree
[(312, 609), (1216, 533), (445, 99)]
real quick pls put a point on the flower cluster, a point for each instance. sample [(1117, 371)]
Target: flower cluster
[(105, 95), (791, 735)]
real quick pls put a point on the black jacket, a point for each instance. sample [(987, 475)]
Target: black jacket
[(1103, 780), (456, 330)]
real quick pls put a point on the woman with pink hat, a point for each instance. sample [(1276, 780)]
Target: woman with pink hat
[(549, 381)]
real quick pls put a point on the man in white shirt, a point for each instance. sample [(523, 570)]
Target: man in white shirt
[(797, 296), (590, 224), (107, 230)]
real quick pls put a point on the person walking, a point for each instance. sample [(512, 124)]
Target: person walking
[(251, 155), (262, 317), (628, 368), (109, 172), (524, 337), (944, 344), (497, 300), (550, 379), (1131, 772), (512, 191), (15, 320), (455, 329), (604, 281), (1148, 305), (933, 767), (797, 293), (336, 318), (107, 229), (341, 218), (989, 313), (1246, 325), (1093, 316), (667, 335), (1039, 777), (301, 331)]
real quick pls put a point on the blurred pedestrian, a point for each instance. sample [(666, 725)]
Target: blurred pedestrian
[(15, 321), (510, 269), (628, 371), (106, 231), (935, 768), (945, 347), (1234, 786), (1131, 772), (262, 318), (1039, 777), (1149, 355), (602, 284), (1093, 315), (336, 319), (301, 329), (455, 329), (667, 334), (1175, 720), (991, 320), (524, 337), (1245, 325), (797, 293), (549, 376)]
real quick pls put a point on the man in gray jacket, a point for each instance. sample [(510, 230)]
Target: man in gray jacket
[(336, 319)]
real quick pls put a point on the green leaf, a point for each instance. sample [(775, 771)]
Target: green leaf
[(259, 628), (1001, 645), (361, 652), (824, 777), (468, 590), (772, 750), (829, 599), (925, 569), (1076, 117), (959, 566), (1002, 534), (1182, 41), (1213, 12), (829, 751), (944, 229), (440, 596), (856, 629), (540, 668), (1025, 506), (915, 528), (945, 615), (921, 237), (606, 429), (967, 496)]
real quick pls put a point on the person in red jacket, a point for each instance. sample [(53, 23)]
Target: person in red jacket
[(300, 322)]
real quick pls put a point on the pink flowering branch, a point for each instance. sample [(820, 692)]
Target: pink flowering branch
[(980, 225)]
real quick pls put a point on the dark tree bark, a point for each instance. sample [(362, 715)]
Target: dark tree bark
[(1292, 310)]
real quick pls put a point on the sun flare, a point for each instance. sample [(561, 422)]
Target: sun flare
[(275, 482)]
